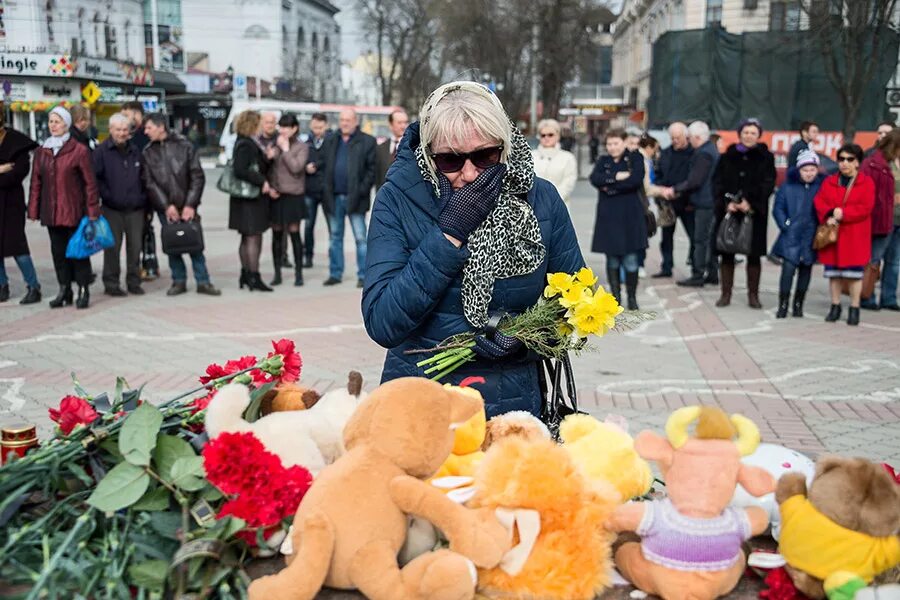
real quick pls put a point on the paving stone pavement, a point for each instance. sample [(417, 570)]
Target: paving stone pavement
[(813, 386)]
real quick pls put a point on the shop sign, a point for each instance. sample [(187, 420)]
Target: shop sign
[(51, 90), (60, 91), (111, 94), (54, 65), (111, 70), (15, 90), (213, 112)]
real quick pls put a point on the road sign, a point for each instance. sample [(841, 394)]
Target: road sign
[(91, 92), (239, 87)]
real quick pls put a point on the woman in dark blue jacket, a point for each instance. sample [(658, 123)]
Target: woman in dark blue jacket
[(620, 227), (795, 214), (461, 232)]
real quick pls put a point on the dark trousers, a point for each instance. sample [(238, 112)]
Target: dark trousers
[(67, 269), (804, 273), (312, 211), (129, 224), (667, 242), (703, 259)]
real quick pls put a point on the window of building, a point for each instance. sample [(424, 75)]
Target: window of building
[(713, 13), (825, 13), (96, 34), (784, 15), (112, 49), (127, 33), (49, 17)]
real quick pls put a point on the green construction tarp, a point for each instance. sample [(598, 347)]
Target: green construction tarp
[(777, 77)]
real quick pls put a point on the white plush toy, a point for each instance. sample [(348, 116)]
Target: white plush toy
[(777, 460), (311, 438)]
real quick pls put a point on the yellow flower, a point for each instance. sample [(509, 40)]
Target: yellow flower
[(565, 330), (558, 283), (574, 295), (594, 314), (585, 276)]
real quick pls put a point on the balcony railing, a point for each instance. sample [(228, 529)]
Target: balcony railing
[(597, 95)]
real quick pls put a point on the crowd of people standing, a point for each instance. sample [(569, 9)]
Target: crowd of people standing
[(848, 220)]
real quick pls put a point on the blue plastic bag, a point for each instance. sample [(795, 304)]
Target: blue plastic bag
[(90, 238)]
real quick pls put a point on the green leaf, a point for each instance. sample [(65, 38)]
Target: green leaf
[(231, 526), (117, 397), (122, 487), (79, 391), (112, 446), (170, 448), (252, 411), (150, 574), (156, 499), (211, 493), (188, 473), (166, 523), (80, 473), (138, 436)]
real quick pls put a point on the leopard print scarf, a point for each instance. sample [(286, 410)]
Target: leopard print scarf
[(508, 243)]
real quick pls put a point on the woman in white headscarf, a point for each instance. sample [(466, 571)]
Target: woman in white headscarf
[(461, 233), (63, 190)]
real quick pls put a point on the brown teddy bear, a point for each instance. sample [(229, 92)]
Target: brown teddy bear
[(847, 524), (353, 521)]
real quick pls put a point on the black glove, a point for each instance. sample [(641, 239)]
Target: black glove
[(500, 347), (467, 208)]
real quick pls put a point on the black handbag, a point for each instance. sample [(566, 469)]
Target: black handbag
[(182, 237), (735, 235), (558, 389), (149, 262)]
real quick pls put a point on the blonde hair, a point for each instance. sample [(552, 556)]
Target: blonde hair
[(247, 123), (551, 123), (459, 112)]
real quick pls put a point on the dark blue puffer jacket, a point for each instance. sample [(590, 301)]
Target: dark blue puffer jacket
[(414, 275), (795, 215)]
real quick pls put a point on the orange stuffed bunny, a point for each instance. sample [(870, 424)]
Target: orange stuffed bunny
[(691, 542), (354, 519)]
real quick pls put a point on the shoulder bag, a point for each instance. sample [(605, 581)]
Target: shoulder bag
[(558, 389), (649, 216), (735, 235), (827, 234), (228, 182)]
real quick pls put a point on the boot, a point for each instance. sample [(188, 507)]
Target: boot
[(4, 292), (255, 282), (615, 287), (853, 316), (726, 280), (753, 274), (33, 296), (799, 297), (783, 301), (84, 297), (277, 255), (297, 246), (834, 314), (63, 298), (631, 283), (244, 280)]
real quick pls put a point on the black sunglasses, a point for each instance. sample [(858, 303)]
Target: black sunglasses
[(449, 162), (543, 135), (846, 159)]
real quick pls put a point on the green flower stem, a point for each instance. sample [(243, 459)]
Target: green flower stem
[(462, 358), (50, 568)]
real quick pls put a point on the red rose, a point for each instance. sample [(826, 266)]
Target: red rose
[(291, 359), (73, 411)]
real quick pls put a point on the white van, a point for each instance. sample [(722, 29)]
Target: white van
[(372, 119)]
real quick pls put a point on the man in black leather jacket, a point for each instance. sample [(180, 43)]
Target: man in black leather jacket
[(174, 181)]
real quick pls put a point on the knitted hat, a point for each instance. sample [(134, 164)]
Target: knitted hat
[(807, 157), (751, 121), (63, 114)]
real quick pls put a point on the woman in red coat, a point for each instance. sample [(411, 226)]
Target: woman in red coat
[(847, 199), (63, 190)]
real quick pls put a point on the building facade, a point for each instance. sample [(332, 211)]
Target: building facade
[(642, 22), (66, 51), (294, 44)]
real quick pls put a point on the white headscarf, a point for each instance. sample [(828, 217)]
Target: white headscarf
[(55, 142)]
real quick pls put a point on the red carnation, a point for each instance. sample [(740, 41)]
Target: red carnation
[(73, 411), (290, 357), (213, 371), (233, 458), (892, 472)]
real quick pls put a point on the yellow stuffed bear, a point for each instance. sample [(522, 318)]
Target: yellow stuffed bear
[(605, 453), (467, 439)]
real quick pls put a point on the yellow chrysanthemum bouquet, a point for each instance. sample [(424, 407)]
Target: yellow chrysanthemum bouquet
[(573, 308)]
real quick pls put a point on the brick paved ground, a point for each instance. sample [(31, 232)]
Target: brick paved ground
[(810, 385)]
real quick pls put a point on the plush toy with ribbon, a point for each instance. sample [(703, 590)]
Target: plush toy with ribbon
[(691, 543)]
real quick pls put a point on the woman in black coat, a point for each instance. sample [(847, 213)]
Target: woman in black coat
[(746, 173), (15, 161), (620, 227), (250, 216)]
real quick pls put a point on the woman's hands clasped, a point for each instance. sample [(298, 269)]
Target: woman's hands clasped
[(468, 206)]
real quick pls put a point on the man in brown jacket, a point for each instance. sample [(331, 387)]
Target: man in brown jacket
[(174, 180)]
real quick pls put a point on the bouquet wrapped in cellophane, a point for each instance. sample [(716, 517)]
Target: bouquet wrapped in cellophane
[(572, 308)]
